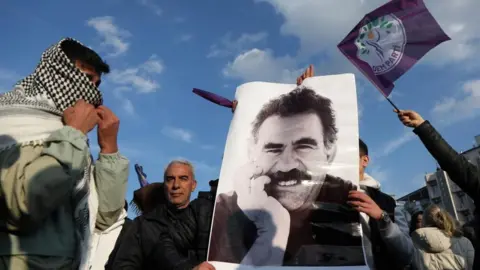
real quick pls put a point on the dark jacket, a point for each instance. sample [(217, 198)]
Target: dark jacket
[(382, 256), (118, 243), (233, 234), (460, 171), (167, 238)]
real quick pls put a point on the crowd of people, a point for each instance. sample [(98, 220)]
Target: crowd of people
[(61, 209)]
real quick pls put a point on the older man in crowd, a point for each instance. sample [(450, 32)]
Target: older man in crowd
[(173, 235)]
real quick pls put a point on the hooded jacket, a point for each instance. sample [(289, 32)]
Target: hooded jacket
[(382, 246), (437, 251)]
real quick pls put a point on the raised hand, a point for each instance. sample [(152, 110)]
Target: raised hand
[(81, 116), (108, 125), (263, 210), (309, 72), (410, 118)]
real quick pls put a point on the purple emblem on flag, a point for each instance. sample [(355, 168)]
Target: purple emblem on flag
[(214, 98), (388, 41)]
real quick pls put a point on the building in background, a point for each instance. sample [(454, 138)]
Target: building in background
[(449, 196), (416, 200), (440, 190)]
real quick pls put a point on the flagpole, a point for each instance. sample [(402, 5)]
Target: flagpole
[(391, 103)]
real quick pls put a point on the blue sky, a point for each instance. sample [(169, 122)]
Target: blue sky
[(160, 50)]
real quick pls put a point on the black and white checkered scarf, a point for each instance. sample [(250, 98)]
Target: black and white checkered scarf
[(55, 85)]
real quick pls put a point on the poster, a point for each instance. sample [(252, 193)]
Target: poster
[(290, 160)]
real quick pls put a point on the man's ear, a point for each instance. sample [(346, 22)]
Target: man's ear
[(365, 160), (194, 185), (331, 153)]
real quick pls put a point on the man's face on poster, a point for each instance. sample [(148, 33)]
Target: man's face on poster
[(291, 151)]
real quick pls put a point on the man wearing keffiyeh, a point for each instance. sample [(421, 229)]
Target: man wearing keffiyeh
[(53, 196)]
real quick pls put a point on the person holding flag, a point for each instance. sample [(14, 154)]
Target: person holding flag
[(459, 169)]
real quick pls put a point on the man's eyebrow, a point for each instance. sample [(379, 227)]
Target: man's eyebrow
[(306, 140), (179, 176), (273, 146)]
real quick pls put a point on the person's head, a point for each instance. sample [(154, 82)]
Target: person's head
[(364, 159), (434, 216), (294, 141), (86, 60), (179, 179), (416, 222)]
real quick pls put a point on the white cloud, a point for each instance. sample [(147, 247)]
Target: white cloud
[(394, 144), (378, 173), (113, 36), (139, 77), (262, 66), (185, 37), (229, 46), (459, 20), (178, 133), (128, 106), (197, 165), (464, 104), (150, 4), (153, 65)]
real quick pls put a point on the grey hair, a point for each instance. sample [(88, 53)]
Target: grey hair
[(181, 162)]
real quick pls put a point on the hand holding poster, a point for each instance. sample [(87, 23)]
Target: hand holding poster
[(290, 160)]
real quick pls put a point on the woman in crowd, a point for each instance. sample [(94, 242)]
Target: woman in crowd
[(416, 221), (440, 244)]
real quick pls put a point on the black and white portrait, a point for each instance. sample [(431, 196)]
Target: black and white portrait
[(288, 168)]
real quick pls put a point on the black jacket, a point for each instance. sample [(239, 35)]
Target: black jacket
[(118, 243), (167, 238), (460, 171), (383, 259)]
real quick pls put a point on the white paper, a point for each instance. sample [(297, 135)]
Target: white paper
[(287, 169)]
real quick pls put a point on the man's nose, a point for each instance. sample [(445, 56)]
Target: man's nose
[(287, 162), (176, 183)]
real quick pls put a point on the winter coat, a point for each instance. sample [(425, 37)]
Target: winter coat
[(379, 253), (437, 251), (167, 238), (463, 173)]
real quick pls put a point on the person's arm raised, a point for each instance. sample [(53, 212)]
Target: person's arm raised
[(459, 169)]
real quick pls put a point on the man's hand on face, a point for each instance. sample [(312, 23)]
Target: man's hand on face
[(108, 125), (410, 118), (263, 210), (204, 266), (363, 203), (81, 116)]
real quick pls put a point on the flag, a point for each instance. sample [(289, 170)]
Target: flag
[(142, 177), (388, 41), (214, 98)]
